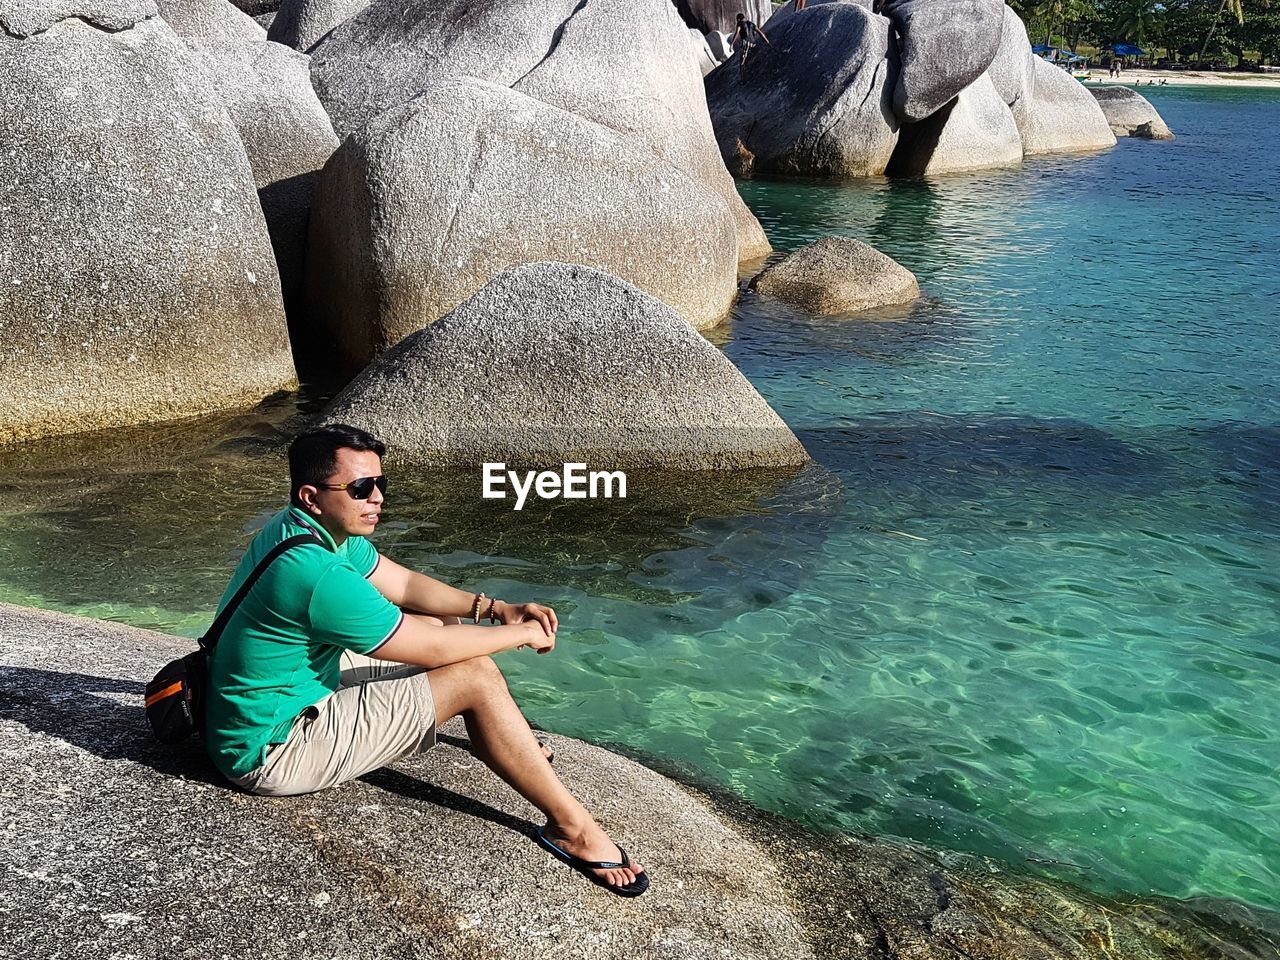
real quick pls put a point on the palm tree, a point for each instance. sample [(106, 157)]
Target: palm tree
[(1139, 21), (1060, 11), (1236, 7)]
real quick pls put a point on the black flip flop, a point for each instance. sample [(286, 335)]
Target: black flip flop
[(585, 867), (551, 757)]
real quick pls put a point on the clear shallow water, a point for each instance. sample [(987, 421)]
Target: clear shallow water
[(1027, 604)]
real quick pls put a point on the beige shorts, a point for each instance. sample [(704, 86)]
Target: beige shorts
[(381, 712)]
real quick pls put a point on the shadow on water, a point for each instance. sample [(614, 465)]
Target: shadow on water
[(151, 520)]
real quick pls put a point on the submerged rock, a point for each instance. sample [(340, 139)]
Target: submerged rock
[(816, 103), (422, 206), (1061, 116), (139, 281), (1130, 114), (302, 24), (975, 131), (945, 46), (838, 275), (135, 838), (562, 363), (623, 64), (287, 135)]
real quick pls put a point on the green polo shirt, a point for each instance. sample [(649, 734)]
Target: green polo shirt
[(279, 653)]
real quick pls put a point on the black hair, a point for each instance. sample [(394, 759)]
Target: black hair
[(313, 455), (741, 17)]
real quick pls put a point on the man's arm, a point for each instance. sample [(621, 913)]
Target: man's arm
[(425, 643), (411, 590)]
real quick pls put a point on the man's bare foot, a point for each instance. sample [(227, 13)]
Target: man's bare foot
[(592, 843)]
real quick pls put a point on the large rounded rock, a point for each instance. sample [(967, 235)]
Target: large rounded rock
[(1130, 114), (302, 24), (702, 54), (553, 363), (1013, 69), (139, 282), (975, 131), (620, 63), (210, 20), (816, 103), (266, 89), (134, 836), (1061, 116), (707, 15), (838, 275), (721, 47), (788, 10), (421, 206), (945, 46)]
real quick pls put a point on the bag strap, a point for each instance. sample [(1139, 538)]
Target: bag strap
[(210, 639)]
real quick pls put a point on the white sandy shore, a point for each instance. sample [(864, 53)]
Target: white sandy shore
[(1194, 78)]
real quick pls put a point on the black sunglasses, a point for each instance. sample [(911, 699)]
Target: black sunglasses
[(360, 488)]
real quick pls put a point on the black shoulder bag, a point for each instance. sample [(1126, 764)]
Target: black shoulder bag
[(176, 695)]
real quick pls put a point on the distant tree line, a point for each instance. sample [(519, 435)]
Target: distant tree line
[(1236, 32)]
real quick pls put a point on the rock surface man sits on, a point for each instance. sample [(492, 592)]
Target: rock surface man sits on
[(340, 661)]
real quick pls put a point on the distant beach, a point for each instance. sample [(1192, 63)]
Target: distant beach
[(1196, 78)]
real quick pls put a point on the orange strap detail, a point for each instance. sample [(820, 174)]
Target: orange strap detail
[(168, 691)]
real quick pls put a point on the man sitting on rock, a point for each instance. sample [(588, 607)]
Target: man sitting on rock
[(339, 661)]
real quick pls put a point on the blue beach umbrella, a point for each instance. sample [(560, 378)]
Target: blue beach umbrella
[(1127, 50), (1042, 49)]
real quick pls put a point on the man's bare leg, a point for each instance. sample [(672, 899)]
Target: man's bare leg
[(500, 736), (547, 752)]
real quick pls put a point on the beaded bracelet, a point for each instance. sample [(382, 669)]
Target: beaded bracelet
[(475, 607), (489, 613)]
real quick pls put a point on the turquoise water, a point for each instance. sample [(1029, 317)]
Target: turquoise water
[(1025, 605)]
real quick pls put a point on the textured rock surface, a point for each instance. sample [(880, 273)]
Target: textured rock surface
[(945, 45), (256, 8), (143, 847), (973, 132), (708, 15), (209, 20), (1130, 114), (267, 91), (1013, 68), (302, 24), (620, 63), (1061, 116), (816, 103), (787, 10), (23, 18), (139, 282), (718, 43), (563, 363), (419, 208), (838, 275), (702, 54)]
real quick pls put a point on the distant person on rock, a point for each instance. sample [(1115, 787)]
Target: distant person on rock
[(338, 661), (799, 5), (745, 39)]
